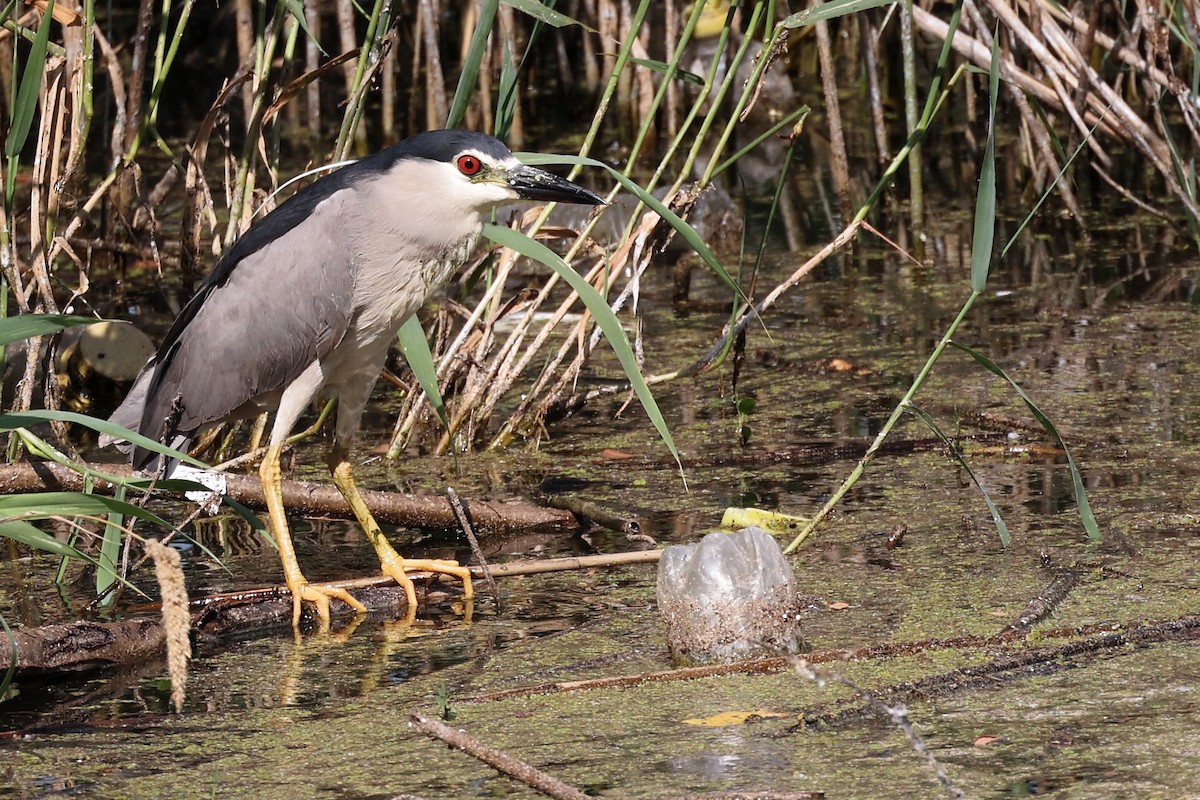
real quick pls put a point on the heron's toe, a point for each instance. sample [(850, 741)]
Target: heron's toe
[(319, 594)]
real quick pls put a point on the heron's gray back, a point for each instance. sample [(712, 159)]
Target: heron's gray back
[(282, 307)]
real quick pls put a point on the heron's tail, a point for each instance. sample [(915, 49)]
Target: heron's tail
[(130, 414)]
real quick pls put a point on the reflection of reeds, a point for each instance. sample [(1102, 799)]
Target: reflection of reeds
[(339, 79)]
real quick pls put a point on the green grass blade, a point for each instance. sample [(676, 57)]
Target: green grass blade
[(664, 68), (30, 535), (25, 326), (543, 13), (296, 9), (825, 11), (470, 67), (1049, 189), (682, 228), (506, 92), (110, 549), (46, 505), (1001, 528), (30, 83), (415, 348), (114, 530), (1081, 500), (11, 641), (25, 100), (23, 419), (600, 310), (984, 234)]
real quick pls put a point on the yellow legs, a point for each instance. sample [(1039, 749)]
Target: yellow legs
[(391, 562), (301, 589)]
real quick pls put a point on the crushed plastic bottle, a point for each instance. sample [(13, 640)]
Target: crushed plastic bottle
[(729, 597)]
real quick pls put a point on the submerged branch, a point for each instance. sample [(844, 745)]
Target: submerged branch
[(513, 767), (84, 645)]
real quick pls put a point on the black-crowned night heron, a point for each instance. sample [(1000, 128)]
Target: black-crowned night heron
[(308, 301)]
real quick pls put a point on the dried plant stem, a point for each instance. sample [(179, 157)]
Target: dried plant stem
[(916, 194), (839, 162)]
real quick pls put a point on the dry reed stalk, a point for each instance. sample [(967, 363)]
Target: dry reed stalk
[(979, 55), (312, 60), (175, 617), (631, 259), (870, 41), (1112, 46), (1072, 68), (840, 162), (513, 41), (347, 41), (244, 17), (436, 107), (1042, 155)]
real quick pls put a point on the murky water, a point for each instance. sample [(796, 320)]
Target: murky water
[(1103, 342)]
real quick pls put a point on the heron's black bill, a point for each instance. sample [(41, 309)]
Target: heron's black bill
[(532, 183)]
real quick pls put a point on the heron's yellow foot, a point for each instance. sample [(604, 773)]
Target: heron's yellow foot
[(398, 567), (319, 594)]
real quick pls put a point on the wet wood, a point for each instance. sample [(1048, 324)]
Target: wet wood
[(1101, 638), (630, 526), (319, 499), (85, 645), (498, 760), (1041, 607), (1007, 666)]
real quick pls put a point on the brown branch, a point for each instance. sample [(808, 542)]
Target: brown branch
[(512, 767), (313, 498), (90, 645), (767, 666), (1015, 665)]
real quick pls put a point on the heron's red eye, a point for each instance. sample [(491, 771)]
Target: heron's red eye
[(469, 164)]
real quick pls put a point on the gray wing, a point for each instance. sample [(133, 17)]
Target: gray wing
[(279, 309)]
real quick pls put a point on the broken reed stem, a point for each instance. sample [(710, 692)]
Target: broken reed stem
[(175, 616), (512, 767)]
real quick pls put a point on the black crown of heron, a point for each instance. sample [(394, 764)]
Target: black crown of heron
[(306, 304)]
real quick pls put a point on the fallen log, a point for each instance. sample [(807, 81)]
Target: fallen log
[(317, 499), (84, 645)]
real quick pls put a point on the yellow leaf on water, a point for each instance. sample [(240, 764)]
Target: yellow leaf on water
[(726, 718)]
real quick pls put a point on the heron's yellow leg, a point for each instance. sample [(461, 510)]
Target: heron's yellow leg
[(391, 562), (301, 589)]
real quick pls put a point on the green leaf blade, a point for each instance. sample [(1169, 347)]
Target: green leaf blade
[(415, 348), (984, 234), (1081, 500), (26, 326)]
